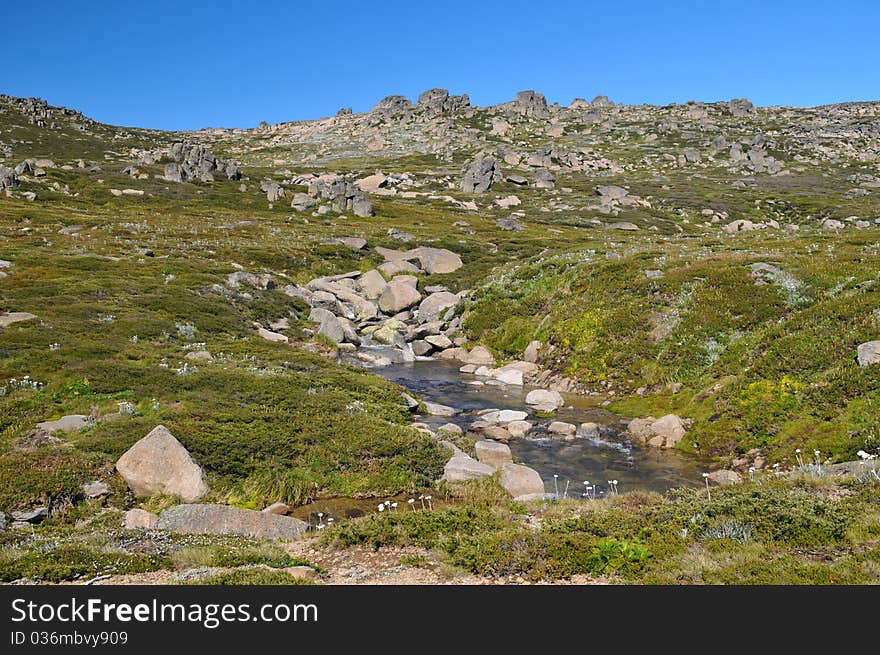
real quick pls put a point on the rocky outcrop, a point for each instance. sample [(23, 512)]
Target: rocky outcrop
[(480, 175), (438, 101), (159, 464), (192, 162), (223, 519)]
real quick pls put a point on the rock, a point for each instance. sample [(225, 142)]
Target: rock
[(692, 155), (436, 260), (70, 423), (495, 432), (544, 179), (361, 205), (435, 306), (493, 453), (436, 409), (372, 284), (397, 296), (506, 203), (8, 178), (611, 192), (503, 416), (303, 572), (480, 174), (508, 375), (545, 397), (411, 403), (560, 427), (531, 103), (479, 356), (199, 356), (439, 341), (624, 225), (518, 429), (519, 180), (450, 428), (868, 353), (159, 464), (670, 428), (8, 318), (588, 431), (328, 324), (274, 192), (390, 269), (140, 519), (222, 519), (510, 224), (531, 352), (95, 489), (725, 478), (370, 183), (421, 348), (34, 515), (519, 480), (460, 468), (302, 202), (268, 335), (740, 225), (355, 243), (279, 508)]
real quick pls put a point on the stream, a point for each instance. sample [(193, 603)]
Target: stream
[(611, 456)]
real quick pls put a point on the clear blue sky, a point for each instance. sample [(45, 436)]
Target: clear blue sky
[(187, 64)]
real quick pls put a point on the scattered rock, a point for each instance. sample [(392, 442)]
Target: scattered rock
[(868, 353), (545, 398), (461, 467), (725, 478)]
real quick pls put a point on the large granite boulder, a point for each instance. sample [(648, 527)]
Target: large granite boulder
[(159, 464)]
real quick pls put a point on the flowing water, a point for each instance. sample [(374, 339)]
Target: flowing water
[(611, 456)]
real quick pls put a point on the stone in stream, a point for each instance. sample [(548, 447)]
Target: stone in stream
[(492, 453), (588, 431), (494, 432), (508, 376), (503, 416), (436, 409), (159, 464), (450, 428), (468, 368), (460, 468), (560, 427), (440, 341), (435, 306), (518, 429), (140, 519), (397, 296), (519, 480), (479, 355), (223, 519), (545, 397), (421, 348)]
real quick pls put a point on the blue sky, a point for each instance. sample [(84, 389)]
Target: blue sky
[(188, 64)]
